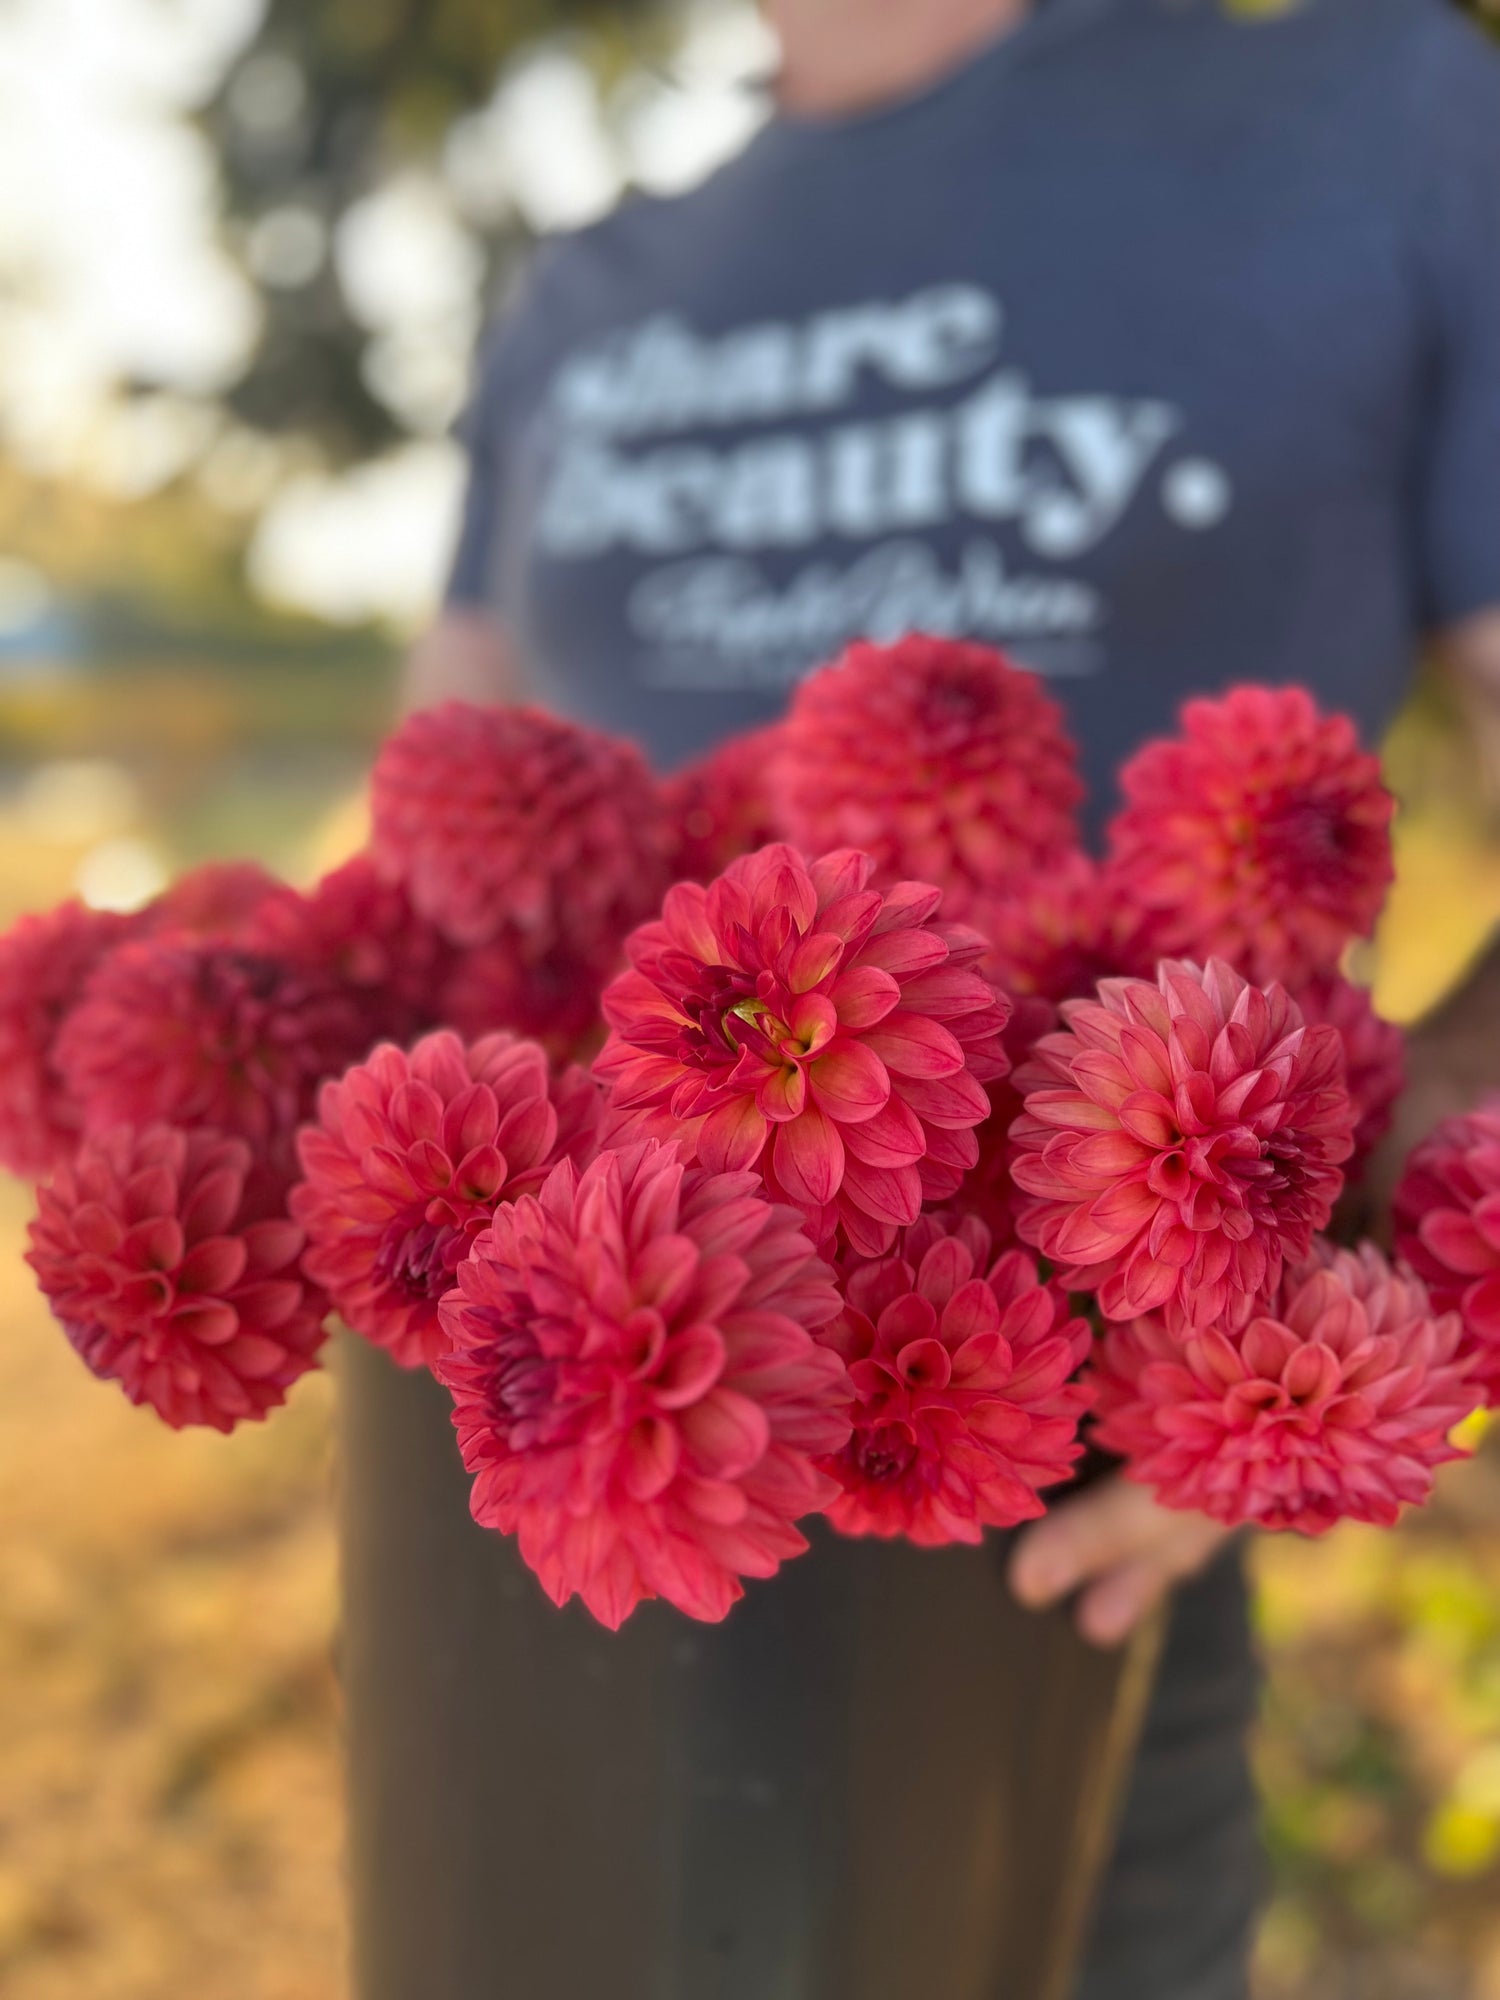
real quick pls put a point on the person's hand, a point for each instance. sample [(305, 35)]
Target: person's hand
[(1119, 1548)]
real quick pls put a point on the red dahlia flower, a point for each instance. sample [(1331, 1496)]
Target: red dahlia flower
[(1374, 1057), (196, 1033), (1336, 1406), (791, 1018), (1261, 835), (722, 806), (222, 899), (636, 1388), (411, 1155), (510, 822), (362, 932), (1448, 1224), (173, 1274), (1055, 932), (552, 999), (988, 1192), (44, 963), (939, 758), (1180, 1138), (963, 1406)]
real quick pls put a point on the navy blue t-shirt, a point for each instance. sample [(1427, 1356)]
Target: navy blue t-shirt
[(1159, 345)]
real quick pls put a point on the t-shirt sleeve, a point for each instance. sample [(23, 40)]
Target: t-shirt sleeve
[(1456, 151), (512, 357), (481, 431)]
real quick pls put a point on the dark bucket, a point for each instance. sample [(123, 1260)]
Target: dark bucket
[(877, 1780)]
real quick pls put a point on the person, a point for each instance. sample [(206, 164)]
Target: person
[(1154, 341)]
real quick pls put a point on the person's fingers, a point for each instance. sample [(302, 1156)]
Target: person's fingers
[(1090, 1532), (1109, 1610), (1117, 1544), (1114, 1604)]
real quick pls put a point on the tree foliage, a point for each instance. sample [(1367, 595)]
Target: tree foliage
[(329, 99)]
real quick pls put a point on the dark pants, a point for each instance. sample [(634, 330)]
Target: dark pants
[(1178, 1907), (870, 1783)]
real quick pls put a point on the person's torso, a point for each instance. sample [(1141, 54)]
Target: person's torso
[(1107, 351)]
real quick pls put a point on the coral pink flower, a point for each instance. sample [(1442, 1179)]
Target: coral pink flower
[(173, 1273), (1448, 1224), (410, 1157), (511, 822), (1057, 931), (362, 931), (1261, 835), (963, 1405), (190, 1032), (1374, 1056), (1179, 1138), (790, 1017), (1336, 1406), (939, 758), (636, 1388), (44, 964), (723, 805), (222, 899)]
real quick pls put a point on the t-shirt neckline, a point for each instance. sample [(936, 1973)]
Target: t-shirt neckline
[(1044, 22)]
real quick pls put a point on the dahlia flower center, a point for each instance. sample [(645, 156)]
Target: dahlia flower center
[(1294, 1409), (242, 975), (756, 1014), (238, 988), (738, 1012), (1284, 1158), (523, 1388), (722, 995), (419, 1259), (784, 1029), (952, 704), (885, 1454), (1304, 841), (1247, 1171), (1203, 1175)]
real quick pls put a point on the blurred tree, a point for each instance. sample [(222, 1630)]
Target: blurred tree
[(328, 103)]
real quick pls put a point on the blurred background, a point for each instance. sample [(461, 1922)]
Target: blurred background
[(245, 250)]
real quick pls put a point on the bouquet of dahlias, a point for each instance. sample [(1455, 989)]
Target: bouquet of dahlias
[(820, 1130)]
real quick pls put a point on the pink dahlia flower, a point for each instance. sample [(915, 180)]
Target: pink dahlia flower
[(791, 1018), (1180, 1138), (1260, 835), (937, 757), (45, 962), (510, 822), (1447, 1212), (1334, 1406), (363, 933), (1055, 932), (1374, 1056), (190, 1032), (636, 1387), (963, 1408), (173, 1273), (723, 805), (410, 1157)]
